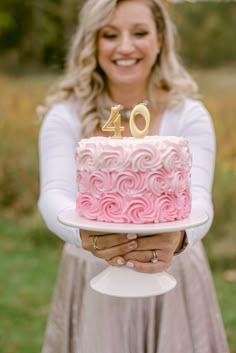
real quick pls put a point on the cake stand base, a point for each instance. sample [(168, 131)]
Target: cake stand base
[(124, 282)]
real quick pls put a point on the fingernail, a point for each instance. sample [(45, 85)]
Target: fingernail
[(130, 264), (132, 236), (132, 244), (120, 262)]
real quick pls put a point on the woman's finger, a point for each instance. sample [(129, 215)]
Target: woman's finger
[(148, 255), (147, 267), (141, 256), (145, 256), (164, 241), (100, 241), (107, 241), (116, 251), (116, 261)]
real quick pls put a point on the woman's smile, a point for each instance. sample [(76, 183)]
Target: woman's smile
[(126, 62)]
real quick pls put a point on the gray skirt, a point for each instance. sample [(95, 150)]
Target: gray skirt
[(184, 320)]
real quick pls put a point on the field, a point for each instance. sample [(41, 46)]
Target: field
[(30, 254)]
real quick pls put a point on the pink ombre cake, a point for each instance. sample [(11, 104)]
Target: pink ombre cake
[(133, 180)]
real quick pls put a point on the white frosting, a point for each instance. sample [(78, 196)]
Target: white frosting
[(150, 153)]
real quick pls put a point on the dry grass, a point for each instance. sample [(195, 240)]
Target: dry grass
[(18, 143)]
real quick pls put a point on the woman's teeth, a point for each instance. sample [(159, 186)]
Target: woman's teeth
[(126, 62)]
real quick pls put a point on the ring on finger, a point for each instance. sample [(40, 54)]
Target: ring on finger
[(94, 241), (154, 258)]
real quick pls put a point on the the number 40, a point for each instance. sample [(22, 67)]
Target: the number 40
[(114, 122)]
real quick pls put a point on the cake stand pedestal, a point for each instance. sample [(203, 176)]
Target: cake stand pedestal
[(122, 281)]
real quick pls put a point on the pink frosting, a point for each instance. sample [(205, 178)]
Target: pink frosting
[(160, 181), (184, 204), (181, 182), (142, 208), (87, 206), (127, 183), (133, 180), (130, 182), (113, 158), (145, 157), (96, 183), (167, 205), (111, 208), (86, 157)]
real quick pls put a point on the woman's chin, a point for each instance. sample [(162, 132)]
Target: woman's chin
[(130, 80)]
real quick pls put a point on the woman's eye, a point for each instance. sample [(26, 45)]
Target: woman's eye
[(110, 35), (141, 33)]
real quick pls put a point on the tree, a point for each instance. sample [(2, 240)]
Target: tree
[(207, 32)]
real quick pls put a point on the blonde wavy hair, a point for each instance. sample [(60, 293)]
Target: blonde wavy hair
[(84, 81)]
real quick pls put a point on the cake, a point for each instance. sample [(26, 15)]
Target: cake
[(132, 180)]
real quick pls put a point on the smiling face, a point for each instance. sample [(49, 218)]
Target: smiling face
[(128, 45)]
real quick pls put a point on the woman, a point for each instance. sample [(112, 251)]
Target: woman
[(124, 53)]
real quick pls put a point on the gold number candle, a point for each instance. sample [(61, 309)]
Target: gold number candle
[(142, 110), (115, 120)]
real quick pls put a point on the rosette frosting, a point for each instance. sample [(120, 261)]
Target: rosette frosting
[(150, 153), (134, 180)]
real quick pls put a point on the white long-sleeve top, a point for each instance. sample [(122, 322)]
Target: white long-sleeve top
[(58, 138)]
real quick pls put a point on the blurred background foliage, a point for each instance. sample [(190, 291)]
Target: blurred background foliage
[(37, 32), (34, 37)]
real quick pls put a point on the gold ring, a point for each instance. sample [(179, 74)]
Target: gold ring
[(154, 258), (94, 240)]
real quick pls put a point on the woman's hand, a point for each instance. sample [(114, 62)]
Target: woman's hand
[(109, 246), (135, 252), (163, 246)]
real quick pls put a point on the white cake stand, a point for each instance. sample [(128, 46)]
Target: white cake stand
[(122, 281)]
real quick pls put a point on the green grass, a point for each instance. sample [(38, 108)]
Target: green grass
[(226, 293), (29, 261)]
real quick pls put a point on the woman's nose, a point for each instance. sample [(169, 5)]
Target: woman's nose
[(126, 44)]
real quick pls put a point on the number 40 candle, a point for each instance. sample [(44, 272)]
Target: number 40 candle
[(114, 122)]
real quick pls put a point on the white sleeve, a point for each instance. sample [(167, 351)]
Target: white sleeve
[(196, 126), (58, 137)]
